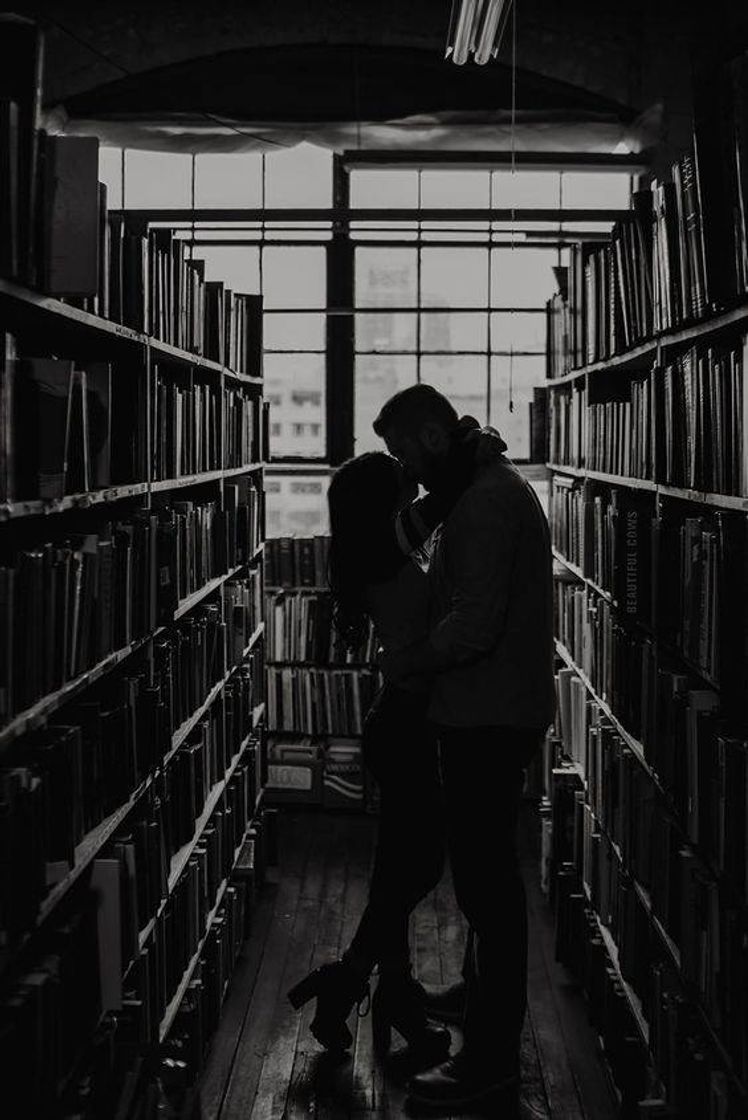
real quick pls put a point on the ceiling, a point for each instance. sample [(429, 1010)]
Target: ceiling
[(327, 60)]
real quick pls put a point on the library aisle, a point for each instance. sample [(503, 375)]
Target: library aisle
[(264, 1062)]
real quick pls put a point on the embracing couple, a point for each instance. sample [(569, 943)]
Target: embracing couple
[(458, 586)]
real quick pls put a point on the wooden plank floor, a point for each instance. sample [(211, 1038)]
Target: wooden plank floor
[(264, 1064)]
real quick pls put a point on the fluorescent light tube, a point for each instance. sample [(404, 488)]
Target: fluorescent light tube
[(462, 29), (491, 29)]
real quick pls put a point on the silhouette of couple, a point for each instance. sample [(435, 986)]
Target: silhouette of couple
[(458, 586)]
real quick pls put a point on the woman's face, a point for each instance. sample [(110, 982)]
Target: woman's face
[(408, 490)]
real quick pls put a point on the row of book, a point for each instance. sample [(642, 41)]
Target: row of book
[(70, 446), (708, 969), (56, 233), (682, 425), (678, 1072), (300, 628), (199, 541), (320, 701), (700, 761), (158, 285), (682, 252), (297, 561), (203, 427), (122, 1075), (686, 590), (71, 776), (607, 532), (48, 1016), (65, 607)]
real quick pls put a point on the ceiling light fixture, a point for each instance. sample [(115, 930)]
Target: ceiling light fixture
[(476, 27)]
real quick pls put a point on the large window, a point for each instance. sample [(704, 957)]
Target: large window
[(468, 320), (454, 299)]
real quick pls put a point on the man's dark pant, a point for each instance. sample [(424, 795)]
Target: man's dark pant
[(483, 771)]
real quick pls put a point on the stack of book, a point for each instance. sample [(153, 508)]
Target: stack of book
[(320, 701), (297, 561), (300, 628)]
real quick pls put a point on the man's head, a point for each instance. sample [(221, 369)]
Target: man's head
[(417, 425)]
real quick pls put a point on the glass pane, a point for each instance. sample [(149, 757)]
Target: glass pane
[(374, 189), (384, 231), (608, 189), (514, 426), (454, 278), (463, 380), (300, 176), (386, 277), (441, 231), (293, 332), (450, 330), (377, 379), (228, 179), (237, 267), (455, 188), (385, 330), (522, 277), (294, 277), (524, 330), (295, 388), (110, 173), (157, 179), (587, 227), (525, 189), (296, 505)]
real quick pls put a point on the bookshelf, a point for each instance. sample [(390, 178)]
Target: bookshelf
[(317, 692), (132, 690), (647, 354)]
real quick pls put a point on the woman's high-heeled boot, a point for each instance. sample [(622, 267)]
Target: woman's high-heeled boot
[(338, 987), (399, 1003)]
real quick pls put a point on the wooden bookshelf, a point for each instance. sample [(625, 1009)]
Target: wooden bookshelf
[(577, 571), (34, 717), (170, 1013), (639, 355), (11, 511), (639, 754), (34, 311), (672, 953), (81, 336), (700, 497), (190, 601)]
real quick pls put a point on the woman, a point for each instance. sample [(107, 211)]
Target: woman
[(376, 527)]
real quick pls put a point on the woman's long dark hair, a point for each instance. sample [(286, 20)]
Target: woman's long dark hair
[(362, 499)]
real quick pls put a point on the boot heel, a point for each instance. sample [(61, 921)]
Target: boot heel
[(305, 990)]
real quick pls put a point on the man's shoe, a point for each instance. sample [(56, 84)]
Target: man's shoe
[(460, 1083), (445, 1002)]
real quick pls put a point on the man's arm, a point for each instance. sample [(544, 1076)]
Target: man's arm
[(482, 549)]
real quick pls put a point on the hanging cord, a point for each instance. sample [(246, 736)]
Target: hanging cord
[(513, 165)]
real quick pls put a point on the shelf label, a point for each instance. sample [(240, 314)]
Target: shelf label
[(290, 777)]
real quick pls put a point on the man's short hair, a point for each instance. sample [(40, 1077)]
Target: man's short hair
[(411, 408)]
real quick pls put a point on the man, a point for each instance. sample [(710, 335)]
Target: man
[(491, 648)]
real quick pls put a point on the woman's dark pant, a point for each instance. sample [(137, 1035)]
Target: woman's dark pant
[(401, 751)]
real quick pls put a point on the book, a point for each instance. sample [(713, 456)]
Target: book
[(70, 215), (9, 187), (44, 403), (21, 65)]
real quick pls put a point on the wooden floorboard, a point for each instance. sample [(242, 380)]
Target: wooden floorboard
[(266, 1065)]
